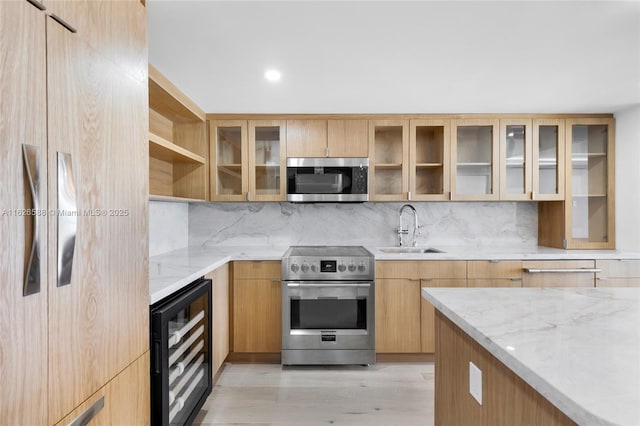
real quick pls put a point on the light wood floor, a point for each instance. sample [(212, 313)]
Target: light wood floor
[(267, 394)]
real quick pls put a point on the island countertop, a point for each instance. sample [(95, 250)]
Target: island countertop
[(577, 347)]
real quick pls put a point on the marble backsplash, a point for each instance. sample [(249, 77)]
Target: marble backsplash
[(168, 226), (495, 224)]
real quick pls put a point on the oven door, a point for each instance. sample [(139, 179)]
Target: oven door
[(328, 315)]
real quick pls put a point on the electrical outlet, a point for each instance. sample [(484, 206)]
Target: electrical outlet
[(475, 382)]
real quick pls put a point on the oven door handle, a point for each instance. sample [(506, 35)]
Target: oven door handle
[(303, 285)]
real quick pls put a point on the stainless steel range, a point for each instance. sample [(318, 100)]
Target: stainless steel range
[(328, 305)]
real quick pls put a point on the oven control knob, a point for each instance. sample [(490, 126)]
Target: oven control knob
[(314, 267), (342, 267), (352, 267), (361, 267), (305, 267), (294, 268)]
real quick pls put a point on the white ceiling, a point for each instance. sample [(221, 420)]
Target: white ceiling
[(400, 56)]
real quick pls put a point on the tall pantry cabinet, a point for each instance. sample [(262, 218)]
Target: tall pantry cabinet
[(73, 132)]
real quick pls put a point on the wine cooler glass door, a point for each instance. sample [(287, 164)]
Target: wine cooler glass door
[(181, 379)]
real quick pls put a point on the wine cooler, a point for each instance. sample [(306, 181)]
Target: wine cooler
[(181, 355)]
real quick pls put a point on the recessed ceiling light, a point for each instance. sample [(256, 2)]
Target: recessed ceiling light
[(272, 75)]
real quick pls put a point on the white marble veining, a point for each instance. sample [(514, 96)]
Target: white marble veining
[(171, 271), (477, 225), (579, 348), (168, 226)]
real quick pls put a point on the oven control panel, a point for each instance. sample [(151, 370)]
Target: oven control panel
[(336, 268)]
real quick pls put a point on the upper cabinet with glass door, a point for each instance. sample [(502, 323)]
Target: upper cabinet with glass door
[(267, 160), (589, 210), (229, 159), (515, 159), (548, 159), (429, 151), (474, 156), (389, 160)]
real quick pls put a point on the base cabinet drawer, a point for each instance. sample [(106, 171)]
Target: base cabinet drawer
[(618, 273), (559, 273), (122, 401)]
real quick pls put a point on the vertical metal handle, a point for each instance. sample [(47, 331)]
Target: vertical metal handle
[(84, 418), (31, 158), (67, 215)]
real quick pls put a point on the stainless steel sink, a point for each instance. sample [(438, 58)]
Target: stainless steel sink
[(418, 250)]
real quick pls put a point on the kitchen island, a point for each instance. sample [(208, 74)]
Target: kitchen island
[(548, 355)]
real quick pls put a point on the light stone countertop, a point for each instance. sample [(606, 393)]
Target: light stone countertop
[(579, 348), (171, 271), (502, 253)]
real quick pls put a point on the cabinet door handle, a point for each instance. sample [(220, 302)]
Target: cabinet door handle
[(561, 270), (64, 23), (67, 216), (37, 4), (84, 418), (31, 158)]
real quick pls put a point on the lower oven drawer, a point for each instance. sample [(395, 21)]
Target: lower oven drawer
[(328, 339)]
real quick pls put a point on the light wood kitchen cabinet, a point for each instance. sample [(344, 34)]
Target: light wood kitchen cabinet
[(548, 159), (397, 315), (585, 220), (618, 273), (475, 159), (307, 138), (327, 138), (248, 160), (516, 159), (429, 156), (437, 274), (389, 160), (87, 112), (267, 160), (23, 108), (404, 320), (122, 401), (177, 143), (558, 273), (98, 323), (589, 213), (494, 273), (257, 306), (229, 160), (220, 316), (347, 138), (427, 312)]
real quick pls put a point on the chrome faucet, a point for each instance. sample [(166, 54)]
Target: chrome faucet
[(402, 231)]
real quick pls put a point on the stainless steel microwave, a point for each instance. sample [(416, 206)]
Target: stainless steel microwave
[(327, 180)]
